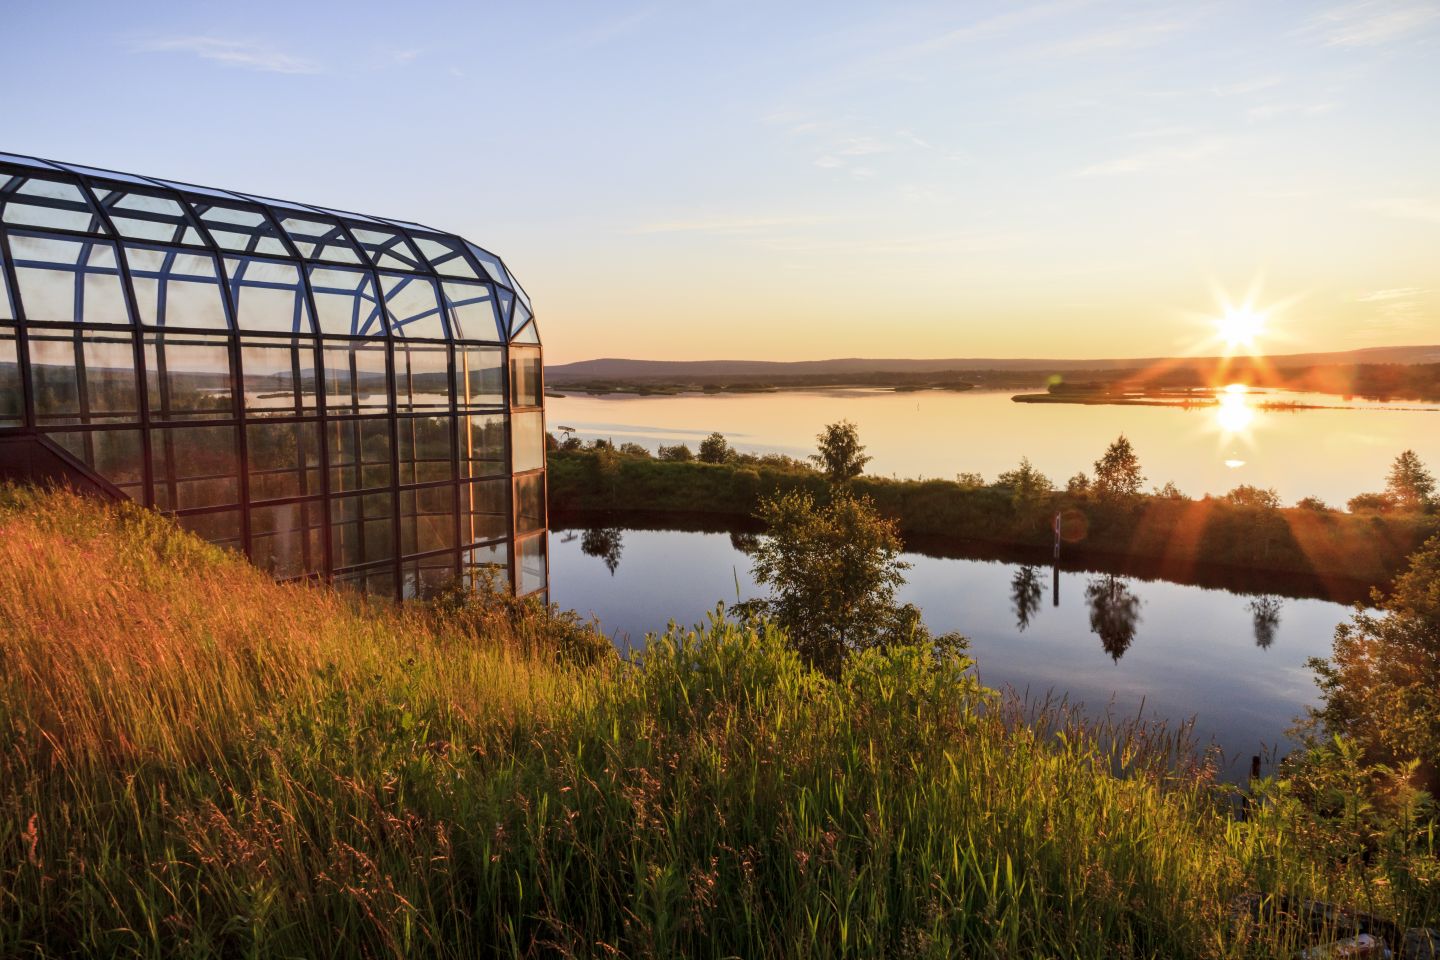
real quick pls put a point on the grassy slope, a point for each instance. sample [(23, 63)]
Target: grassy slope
[(1345, 552), (200, 762)]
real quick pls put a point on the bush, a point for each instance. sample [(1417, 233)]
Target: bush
[(1117, 473), (1371, 503), (1170, 492), (634, 450), (678, 453), (969, 480), (1261, 498), (1314, 504), (714, 449)]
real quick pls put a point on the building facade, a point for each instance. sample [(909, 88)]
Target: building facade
[(338, 396)]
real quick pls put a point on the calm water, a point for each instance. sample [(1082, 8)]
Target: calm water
[(1235, 663), (1330, 453)]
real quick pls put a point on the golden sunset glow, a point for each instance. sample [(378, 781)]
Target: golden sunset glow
[(1239, 328), (1235, 413)]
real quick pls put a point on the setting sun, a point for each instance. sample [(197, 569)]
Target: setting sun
[(1235, 413), (1239, 327)]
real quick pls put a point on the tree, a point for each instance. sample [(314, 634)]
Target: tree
[(1381, 685), (714, 449), (1025, 593), (833, 570), (1170, 492), (1370, 503), (1247, 495), (1410, 485), (1117, 473), (969, 480), (1265, 617), (841, 454), (1114, 613), (1028, 487), (1078, 485), (607, 543), (678, 453)]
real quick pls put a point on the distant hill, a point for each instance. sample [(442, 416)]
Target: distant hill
[(615, 368)]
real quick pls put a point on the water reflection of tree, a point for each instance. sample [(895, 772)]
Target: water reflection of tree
[(1025, 593), (605, 543), (744, 542), (1265, 611), (1114, 613)]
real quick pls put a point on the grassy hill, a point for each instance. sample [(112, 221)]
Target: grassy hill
[(200, 762)]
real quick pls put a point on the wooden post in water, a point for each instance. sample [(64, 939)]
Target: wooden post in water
[(1057, 535)]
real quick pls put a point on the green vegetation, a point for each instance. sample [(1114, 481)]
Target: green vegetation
[(1117, 472), (203, 763), (842, 455)]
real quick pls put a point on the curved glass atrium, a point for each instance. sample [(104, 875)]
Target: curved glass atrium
[(336, 395)]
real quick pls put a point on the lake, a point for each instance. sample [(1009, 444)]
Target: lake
[(1234, 662), (1332, 453)]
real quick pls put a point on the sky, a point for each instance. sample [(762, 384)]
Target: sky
[(702, 180)]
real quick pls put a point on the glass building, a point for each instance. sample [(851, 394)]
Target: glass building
[(338, 396)]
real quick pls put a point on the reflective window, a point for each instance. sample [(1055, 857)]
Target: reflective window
[(66, 281), (287, 539), (532, 563), (527, 334), (422, 376), (482, 446), (491, 263), (221, 528), (346, 302), (426, 448), (7, 307), (472, 311), (530, 503), (194, 467), (12, 405), (146, 215), (187, 376), (486, 567), (386, 248), (317, 238), (484, 511), (446, 258), (116, 455), (525, 386), (424, 578), (41, 202), (241, 230), (522, 317), (269, 295), (359, 452), (355, 376), (527, 432), (83, 380), (373, 581), (284, 460), (427, 520), (479, 376), (174, 288), (362, 529), (413, 307), (279, 377)]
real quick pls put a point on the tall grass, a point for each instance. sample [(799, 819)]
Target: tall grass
[(200, 762)]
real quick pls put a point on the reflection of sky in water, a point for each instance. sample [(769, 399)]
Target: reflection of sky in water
[(1194, 650), (1330, 453)]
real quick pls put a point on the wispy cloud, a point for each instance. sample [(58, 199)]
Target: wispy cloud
[(1269, 111), (1156, 158), (1130, 36), (1406, 208), (1373, 22), (1394, 293), (728, 225), (234, 53), (1397, 310)]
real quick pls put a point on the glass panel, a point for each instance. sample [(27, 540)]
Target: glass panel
[(376, 582), (221, 529), (104, 174), (531, 552), (145, 216), (188, 376), (484, 511), (506, 299), (269, 295), (117, 455), (492, 266), (286, 539), (284, 460), (528, 434), (346, 302), (7, 307), (479, 376), (68, 281), (42, 202), (425, 578), (522, 317), (482, 446), (387, 249), (414, 308), (427, 519), (241, 230), (527, 334), (487, 567), (176, 289), (83, 381), (361, 529), (359, 453), (279, 376), (446, 258), (425, 448), (472, 311), (530, 503), (194, 467), (355, 377), (526, 389), (12, 401), (422, 376), (318, 239)]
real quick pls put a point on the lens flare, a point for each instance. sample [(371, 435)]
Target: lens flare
[(1239, 328), (1235, 413)]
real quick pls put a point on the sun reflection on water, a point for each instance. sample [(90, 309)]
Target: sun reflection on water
[(1235, 413)]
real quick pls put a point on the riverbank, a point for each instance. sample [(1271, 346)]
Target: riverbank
[(1300, 552)]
